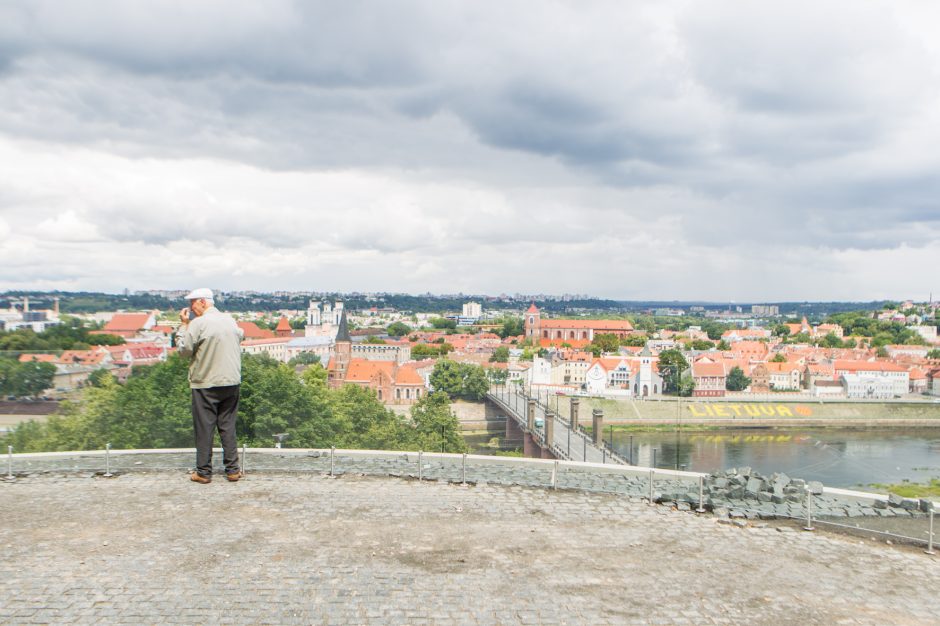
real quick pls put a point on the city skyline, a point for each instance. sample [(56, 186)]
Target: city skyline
[(764, 153)]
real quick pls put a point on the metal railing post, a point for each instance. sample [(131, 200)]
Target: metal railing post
[(463, 470), (651, 486), (584, 452), (420, 464), (9, 462), (555, 476), (929, 549), (244, 459), (604, 455), (701, 495), (809, 510), (332, 457), (631, 450), (107, 461)]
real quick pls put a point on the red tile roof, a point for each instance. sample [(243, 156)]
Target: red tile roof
[(598, 326), (253, 332), (41, 358), (127, 322), (867, 366)]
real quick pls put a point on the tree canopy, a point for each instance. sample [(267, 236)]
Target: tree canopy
[(671, 365), (460, 380), (25, 379), (736, 380), (152, 410)]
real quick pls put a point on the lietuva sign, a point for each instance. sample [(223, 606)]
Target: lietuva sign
[(750, 409)]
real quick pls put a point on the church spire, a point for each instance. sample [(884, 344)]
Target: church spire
[(343, 333)]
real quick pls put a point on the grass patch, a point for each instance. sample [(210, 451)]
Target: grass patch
[(517, 452), (658, 428), (912, 490)]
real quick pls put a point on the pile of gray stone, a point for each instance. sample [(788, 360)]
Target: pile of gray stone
[(743, 492)]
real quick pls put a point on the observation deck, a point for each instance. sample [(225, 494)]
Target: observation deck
[(391, 539)]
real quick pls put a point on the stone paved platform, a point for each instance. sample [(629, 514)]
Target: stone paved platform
[(305, 548)]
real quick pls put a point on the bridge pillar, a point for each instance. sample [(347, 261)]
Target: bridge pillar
[(530, 416), (530, 449), (513, 430), (575, 406), (549, 435), (598, 423)]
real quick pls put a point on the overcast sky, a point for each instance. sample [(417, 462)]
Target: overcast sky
[(732, 150)]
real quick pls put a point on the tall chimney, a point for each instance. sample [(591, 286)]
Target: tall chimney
[(25, 304), (55, 305)]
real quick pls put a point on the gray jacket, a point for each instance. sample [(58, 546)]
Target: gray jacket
[(213, 342)]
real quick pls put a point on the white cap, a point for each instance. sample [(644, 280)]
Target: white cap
[(198, 294)]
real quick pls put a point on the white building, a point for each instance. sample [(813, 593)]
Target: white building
[(929, 333), (323, 319), (399, 353), (868, 385), (540, 372), (918, 352), (472, 310), (320, 346), (275, 348), (880, 370)]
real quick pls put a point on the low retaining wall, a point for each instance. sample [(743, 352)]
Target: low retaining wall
[(738, 413), (735, 493)]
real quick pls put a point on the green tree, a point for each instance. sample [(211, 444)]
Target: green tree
[(702, 345), (671, 364), (398, 329), (443, 323), (604, 342), (634, 341), (364, 422), (96, 378), (512, 327), (435, 425), (497, 375), (781, 330), (500, 355), (831, 341), (736, 380), (28, 379), (304, 358), (778, 358), (723, 345), (934, 354), (460, 380)]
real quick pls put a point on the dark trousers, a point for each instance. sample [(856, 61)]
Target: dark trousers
[(215, 408)]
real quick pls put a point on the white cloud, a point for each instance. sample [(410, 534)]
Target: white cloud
[(666, 151)]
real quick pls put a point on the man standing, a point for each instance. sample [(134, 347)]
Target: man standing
[(212, 341)]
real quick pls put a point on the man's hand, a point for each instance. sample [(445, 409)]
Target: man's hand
[(184, 316)]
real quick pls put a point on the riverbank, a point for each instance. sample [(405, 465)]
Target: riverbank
[(705, 412)]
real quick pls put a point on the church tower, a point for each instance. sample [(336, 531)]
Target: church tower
[(644, 385), (342, 353), (532, 324)]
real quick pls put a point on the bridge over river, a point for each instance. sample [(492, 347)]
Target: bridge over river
[(548, 435)]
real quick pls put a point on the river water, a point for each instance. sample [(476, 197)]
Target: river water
[(837, 457)]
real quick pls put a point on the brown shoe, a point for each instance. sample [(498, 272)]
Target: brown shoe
[(196, 477), (233, 477)]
